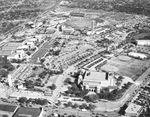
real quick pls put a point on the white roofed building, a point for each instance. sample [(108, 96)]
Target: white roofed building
[(138, 55), (143, 42), (95, 81), (18, 55), (133, 110)]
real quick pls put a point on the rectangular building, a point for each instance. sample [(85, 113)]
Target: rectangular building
[(133, 110), (28, 112), (6, 109)]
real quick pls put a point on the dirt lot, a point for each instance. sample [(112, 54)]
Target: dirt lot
[(132, 68)]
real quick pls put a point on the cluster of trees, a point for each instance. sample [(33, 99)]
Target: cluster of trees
[(91, 98), (67, 81), (122, 109), (6, 26), (135, 6), (17, 60), (19, 14), (115, 94), (74, 90), (82, 106), (29, 84), (42, 74), (52, 87), (104, 42), (55, 53), (5, 66), (35, 101)]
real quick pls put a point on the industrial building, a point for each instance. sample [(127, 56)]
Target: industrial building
[(77, 14)]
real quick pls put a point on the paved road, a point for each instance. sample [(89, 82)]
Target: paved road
[(59, 83)]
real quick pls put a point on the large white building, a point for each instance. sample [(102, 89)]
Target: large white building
[(138, 55), (143, 42), (18, 55), (95, 81), (133, 110)]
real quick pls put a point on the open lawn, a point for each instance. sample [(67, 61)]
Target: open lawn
[(132, 68)]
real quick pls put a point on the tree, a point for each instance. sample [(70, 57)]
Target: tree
[(5, 116), (35, 68), (83, 106), (75, 105), (67, 81), (91, 98), (40, 101), (22, 99), (10, 67), (3, 73), (69, 104), (29, 84), (52, 87), (92, 106), (28, 53)]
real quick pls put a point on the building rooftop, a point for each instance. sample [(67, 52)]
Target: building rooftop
[(133, 108), (95, 76), (8, 108), (11, 46), (27, 112), (5, 52), (77, 14)]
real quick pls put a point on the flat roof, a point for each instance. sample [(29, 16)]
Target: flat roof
[(95, 76), (14, 44), (5, 52), (9, 48), (26, 111), (7, 108), (133, 108)]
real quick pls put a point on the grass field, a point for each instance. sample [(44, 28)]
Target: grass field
[(132, 68), (79, 23)]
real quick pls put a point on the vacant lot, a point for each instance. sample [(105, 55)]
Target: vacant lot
[(132, 68)]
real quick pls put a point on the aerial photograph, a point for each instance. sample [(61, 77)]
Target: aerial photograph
[(74, 58)]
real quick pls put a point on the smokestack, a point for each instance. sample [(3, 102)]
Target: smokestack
[(93, 26), (9, 80)]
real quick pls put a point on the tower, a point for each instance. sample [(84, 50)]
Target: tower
[(9, 80)]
